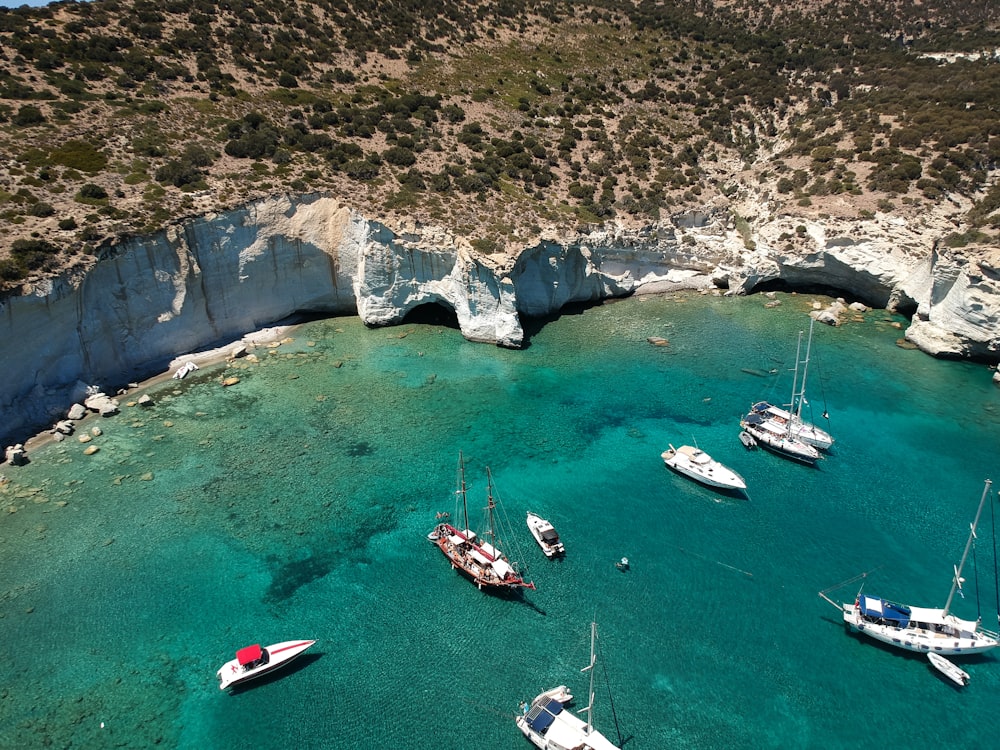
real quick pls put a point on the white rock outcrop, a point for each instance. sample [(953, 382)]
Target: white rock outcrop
[(208, 281)]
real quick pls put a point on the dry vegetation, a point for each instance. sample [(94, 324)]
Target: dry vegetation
[(492, 119)]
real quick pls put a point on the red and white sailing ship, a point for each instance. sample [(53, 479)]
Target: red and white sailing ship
[(478, 559)]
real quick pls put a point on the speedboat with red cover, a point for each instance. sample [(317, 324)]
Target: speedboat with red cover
[(255, 661)]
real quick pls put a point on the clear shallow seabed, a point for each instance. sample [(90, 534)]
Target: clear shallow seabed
[(296, 504)]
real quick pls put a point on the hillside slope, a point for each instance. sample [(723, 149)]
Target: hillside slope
[(498, 121)]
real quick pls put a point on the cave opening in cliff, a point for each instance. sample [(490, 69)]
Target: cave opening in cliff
[(433, 313), (825, 290)]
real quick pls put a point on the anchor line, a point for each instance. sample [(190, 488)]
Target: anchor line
[(747, 573), (607, 687)]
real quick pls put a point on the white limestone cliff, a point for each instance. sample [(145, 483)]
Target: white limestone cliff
[(207, 281)]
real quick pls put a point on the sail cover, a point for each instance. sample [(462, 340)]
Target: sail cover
[(480, 558), (873, 607), (502, 568)]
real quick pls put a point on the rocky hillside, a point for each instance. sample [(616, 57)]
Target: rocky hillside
[(499, 121)]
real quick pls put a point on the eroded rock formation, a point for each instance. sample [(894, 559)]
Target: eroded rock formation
[(207, 281)]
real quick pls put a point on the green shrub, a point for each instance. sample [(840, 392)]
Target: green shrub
[(361, 169), (42, 209), (34, 255), (29, 115), (92, 192), (79, 155), (10, 270), (399, 156), (179, 172)]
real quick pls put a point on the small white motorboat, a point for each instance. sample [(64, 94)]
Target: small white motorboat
[(560, 694), (254, 661), (949, 669), (696, 464), (545, 534)]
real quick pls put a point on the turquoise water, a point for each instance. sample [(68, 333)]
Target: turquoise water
[(295, 504)]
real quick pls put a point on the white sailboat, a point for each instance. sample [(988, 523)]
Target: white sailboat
[(922, 629), (777, 438), (551, 726), (789, 420)]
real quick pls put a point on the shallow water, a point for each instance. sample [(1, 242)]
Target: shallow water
[(295, 504)]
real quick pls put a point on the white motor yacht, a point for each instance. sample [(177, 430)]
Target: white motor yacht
[(545, 534), (696, 464)]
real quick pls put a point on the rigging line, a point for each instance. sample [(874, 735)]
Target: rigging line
[(996, 579), (607, 686), (822, 389), (507, 529), (975, 567), (858, 577)]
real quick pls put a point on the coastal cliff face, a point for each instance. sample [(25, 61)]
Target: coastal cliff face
[(208, 281)]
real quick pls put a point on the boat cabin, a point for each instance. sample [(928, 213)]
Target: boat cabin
[(933, 621), (550, 536)]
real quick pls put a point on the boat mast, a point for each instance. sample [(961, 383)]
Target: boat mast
[(461, 490), (590, 667), (805, 370), (956, 582), (795, 385), (490, 505)]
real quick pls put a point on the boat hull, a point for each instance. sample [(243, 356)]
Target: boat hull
[(812, 435), (710, 473), (804, 432), (232, 673), (952, 671), (920, 639), (783, 446), (480, 572), (538, 526), (567, 727)]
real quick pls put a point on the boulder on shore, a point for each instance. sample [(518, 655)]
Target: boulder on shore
[(64, 427), (15, 455), (102, 404)]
